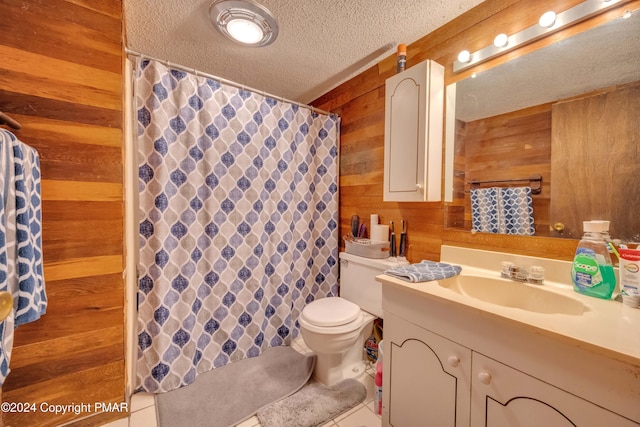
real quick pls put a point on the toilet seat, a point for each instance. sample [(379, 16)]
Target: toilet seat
[(333, 311), (333, 315)]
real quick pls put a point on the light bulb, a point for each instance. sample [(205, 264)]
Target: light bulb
[(501, 40), (245, 31), (464, 56), (547, 19)]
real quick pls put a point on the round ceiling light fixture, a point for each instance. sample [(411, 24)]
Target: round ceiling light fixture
[(244, 21), (464, 56), (547, 19), (501, 40)]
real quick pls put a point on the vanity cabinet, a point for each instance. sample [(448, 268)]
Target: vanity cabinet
[(451, 366), (414, 113), (428, 376), (505, 397)]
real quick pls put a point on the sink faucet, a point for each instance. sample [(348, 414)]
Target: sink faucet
[(533, 274)]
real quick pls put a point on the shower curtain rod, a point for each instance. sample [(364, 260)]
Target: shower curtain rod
[(222, 80)]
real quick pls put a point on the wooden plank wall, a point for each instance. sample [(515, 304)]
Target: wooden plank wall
[(61, 78), (609, 115), (360, 103)]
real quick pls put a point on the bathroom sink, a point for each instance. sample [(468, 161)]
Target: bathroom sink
[(508, 293)]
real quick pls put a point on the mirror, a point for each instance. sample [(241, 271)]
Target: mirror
[(567, 112)]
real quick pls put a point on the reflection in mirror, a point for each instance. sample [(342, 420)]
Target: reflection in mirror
[(567, 112)]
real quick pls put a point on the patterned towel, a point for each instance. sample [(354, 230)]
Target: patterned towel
[(425, 271), (502, 210), (21, 271), (484, 209), (515, 205)]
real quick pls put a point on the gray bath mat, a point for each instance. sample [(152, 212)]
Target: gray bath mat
[(313, 405), (230, 394)]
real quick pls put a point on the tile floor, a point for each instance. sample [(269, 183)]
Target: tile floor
[(143, 412)]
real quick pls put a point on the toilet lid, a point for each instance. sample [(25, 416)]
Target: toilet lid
[(333, 311)]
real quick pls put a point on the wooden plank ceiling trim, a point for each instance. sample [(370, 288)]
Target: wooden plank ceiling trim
[(70, 32)]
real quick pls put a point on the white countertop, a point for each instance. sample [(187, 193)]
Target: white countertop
[(608, 327)]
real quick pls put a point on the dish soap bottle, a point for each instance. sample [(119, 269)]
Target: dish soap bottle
[(377, 405), (592, 272)]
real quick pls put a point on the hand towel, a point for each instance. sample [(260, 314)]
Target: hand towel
[(506, 210), (515, 206), (484, 209), (425, 271), (21, 267)]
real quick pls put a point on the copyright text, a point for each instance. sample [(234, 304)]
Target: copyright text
[(57, 409)]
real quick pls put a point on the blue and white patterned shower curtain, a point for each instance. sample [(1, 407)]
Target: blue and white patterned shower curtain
[(238, 228)]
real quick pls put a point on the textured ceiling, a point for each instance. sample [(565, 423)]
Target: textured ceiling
[(322, 43)]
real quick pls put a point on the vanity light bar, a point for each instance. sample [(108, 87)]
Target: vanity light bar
[(578, 13)]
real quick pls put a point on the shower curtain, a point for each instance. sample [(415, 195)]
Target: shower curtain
[(238, 222)]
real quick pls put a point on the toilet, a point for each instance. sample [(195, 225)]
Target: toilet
[(336, 328)]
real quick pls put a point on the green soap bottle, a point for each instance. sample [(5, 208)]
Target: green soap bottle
[(592, 272)]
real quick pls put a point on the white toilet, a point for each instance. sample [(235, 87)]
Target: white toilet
[(336, 328)]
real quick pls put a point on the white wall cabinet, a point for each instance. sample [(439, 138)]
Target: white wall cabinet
[(414, 108), (445, 366)]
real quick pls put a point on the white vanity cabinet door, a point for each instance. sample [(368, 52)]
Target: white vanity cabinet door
[(426, 378), (504, 397), (414, 113)]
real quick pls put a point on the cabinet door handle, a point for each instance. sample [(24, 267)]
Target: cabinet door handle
[(454, 361), (484, 377), (418, 187)]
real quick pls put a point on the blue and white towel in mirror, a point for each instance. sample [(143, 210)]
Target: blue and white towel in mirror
[(425, 271), (503, 210), (484, 209), (21, 268)]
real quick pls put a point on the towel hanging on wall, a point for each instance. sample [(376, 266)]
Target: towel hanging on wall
[(21, 269), (506, 210)]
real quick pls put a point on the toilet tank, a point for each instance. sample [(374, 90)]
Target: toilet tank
[(358, 281)]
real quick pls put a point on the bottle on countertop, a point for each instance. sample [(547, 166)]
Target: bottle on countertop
[(592, 272), (630, 273), (607, 238), (402, 58), (605, 229)]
